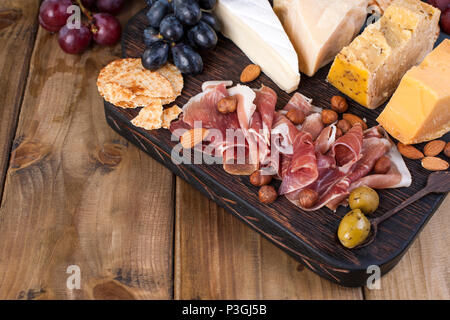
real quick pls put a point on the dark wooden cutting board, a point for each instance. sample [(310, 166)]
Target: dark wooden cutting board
[(310, 237)]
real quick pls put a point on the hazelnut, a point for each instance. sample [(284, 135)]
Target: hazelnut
[(329, 116), (383, 165), (344, 125), (447, 149), (259, 179), (227, 105), (267, 194), (339, 104), (338, 133), (296, 116), (308, 198)]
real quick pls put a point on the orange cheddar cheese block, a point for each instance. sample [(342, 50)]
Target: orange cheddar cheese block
[(419, 110)]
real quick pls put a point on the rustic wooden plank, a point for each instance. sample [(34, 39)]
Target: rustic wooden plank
[(18, 25), (424, 271), (78, 194), (219, 257)]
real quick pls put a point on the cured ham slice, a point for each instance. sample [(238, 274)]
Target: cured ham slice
[(265, 101), (313, 125), (302, 169), (326, 139), (283, 134), (347, 149), (299, 102)]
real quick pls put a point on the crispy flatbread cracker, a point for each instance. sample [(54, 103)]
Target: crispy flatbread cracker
[(150, 116), (125, 79), (169, 115), (171, 73)]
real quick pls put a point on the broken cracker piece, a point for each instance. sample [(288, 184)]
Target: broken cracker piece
[(169, 115), (150, 116)]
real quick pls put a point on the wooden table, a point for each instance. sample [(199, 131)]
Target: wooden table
[(74, 193)]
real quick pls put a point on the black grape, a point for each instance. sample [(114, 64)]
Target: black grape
[(171, 29), (155, 56), (150, 2), (186, 59), (187, 11), (151, 35), (203, 35), (211, 20), (207, 4), (157, 12)]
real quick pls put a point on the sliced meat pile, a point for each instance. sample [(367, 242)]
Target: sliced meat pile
[(308, 156)]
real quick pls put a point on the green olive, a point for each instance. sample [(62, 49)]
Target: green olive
[(353, 229), (364, 198)]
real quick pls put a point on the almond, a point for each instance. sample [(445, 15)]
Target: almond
[(434, 164), (350, 117), (409, 152), (192, 137), (447, 149), (250, 73), (433, 148), (382, 166)]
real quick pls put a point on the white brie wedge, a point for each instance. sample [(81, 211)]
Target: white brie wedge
[(253, 26)]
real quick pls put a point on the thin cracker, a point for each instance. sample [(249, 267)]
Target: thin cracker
[(126, 79), (171, 73), (150, 116), (169, 115)]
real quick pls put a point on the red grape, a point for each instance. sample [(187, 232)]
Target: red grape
[(110, 6), (47, 27), (107, 29), (74, 41), (441, 4), (53, 13), (445, 21)]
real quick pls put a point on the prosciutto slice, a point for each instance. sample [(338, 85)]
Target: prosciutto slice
[(300, 102), (265, 101), (302, 169), (347, 149)]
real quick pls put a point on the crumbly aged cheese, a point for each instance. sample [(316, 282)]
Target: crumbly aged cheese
[(255, 29), (319, 29), (420, 108), (371, 67)]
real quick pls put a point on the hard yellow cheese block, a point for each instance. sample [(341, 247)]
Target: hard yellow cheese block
[(420, 108), (370, 68)]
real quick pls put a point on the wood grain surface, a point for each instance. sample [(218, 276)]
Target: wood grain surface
[(77, 193), (18, 26)]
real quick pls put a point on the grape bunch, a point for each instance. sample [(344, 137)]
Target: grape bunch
[(179, 27), (101, 26)]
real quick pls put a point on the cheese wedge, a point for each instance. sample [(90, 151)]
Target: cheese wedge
[(319, 29), (255, 29), (371, 67), (420, 108)]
